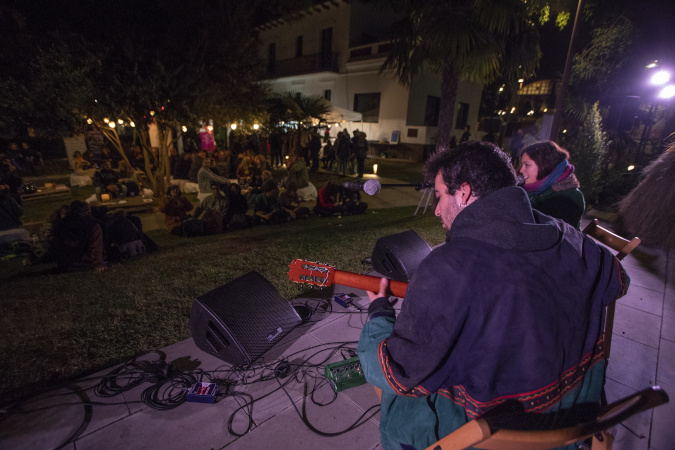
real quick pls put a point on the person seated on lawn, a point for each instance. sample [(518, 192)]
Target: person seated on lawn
[(15, 156), (90, 158), (137, 159), (123, 238), (107, 154), (109, 181), (129, 177), (289, 203), (206, 177), (266, 207), (9, 177), (221, 164), (77, 240), (298, 174), (213, 210), (31, 157), (245, 170), (238, 206), (81, 166), (351, 202), (10, 219), (327, 202), (175, 207)]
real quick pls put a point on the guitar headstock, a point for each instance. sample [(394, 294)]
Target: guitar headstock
[(311, 272)]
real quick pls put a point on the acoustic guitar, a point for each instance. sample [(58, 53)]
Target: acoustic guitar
[(318, 274)]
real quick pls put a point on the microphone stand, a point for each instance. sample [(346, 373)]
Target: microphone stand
[(425, 187)]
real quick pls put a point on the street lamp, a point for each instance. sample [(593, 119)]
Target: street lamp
[(659, 78)]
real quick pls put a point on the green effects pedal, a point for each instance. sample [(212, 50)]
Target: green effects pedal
[(345, 374)]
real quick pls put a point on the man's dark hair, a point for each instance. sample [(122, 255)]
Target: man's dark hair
[(481, 164), (546, 155)]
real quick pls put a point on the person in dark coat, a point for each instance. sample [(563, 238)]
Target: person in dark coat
[(77, 240), (492, 317)]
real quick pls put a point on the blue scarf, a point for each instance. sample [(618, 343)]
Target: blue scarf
[(541, 185)]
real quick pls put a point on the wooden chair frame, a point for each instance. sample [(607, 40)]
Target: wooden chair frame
[(477, 433), (623, 247)]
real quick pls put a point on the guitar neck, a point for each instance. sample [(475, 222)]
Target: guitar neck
[(368, 283)]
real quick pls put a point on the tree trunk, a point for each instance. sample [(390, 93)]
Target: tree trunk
[(447, 110)]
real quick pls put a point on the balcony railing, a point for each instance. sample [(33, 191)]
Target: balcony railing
[(369, 51), (319, 62)]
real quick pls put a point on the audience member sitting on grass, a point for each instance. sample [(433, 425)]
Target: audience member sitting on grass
[(109, 181), (77, 240), (10, 220), (326, 202), (81, 166), (289, 203), (107, 154), (137, 160), (266, 207), (351, 202), (129, 177), (298, 174), (245, 170), (206, 177), (213, 210), (122, 235), (175, 207), (9, 177), (238, 206), (90, 158)]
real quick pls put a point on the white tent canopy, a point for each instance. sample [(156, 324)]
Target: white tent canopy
[(338, 114)]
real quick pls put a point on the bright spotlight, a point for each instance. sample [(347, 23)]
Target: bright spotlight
[(256, 126), (184, 129), (233, 126), (111, 124), (631, 167), (660, 77), (667, 92)]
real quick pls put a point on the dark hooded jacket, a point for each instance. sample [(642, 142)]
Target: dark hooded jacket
[(511, 308)]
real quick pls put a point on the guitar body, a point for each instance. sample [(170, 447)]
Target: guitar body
[(317, 274)]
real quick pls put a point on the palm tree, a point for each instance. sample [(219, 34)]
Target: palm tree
[(476, 40), (306, 111)]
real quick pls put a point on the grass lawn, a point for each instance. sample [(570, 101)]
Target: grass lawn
[(57, 326)]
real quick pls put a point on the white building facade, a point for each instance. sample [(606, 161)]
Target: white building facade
[(335, 49)]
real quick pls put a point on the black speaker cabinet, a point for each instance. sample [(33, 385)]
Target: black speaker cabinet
[(397, 256), (239, 321)]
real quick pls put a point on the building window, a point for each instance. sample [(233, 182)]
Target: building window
[(298, 47), (432, 110), (272, 59), (368, 105), (326, 94), (462, 115)]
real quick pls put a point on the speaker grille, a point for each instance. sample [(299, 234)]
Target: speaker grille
[(249, 311)]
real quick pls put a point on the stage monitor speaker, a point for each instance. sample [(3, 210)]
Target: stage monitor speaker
[(239, 321), (397, 256)]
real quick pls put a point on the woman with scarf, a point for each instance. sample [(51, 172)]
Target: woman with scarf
[(550, 182)]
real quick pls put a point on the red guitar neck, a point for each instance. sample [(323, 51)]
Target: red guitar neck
[(368, 283)]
